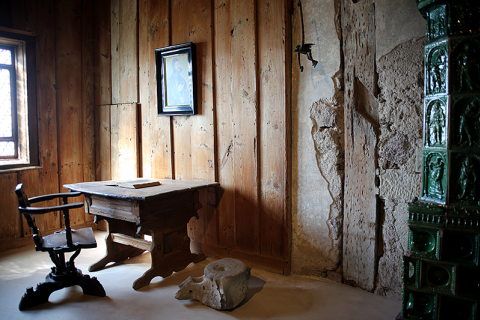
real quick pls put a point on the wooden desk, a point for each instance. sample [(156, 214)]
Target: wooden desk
[(159, 211)]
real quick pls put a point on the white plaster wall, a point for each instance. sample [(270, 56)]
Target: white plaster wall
[(397, 21), (315, 229)]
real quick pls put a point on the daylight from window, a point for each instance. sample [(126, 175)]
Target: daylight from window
[(7, 148)]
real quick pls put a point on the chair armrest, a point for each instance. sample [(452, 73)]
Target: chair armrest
[(54, 196), (43, 210)]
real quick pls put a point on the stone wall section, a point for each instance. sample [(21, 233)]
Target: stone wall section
[(357, 140), (400, 84)]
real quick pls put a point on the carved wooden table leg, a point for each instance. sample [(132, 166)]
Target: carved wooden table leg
[(167, 257), (116, 252)]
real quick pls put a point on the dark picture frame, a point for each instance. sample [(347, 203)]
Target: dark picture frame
[(176, 79)]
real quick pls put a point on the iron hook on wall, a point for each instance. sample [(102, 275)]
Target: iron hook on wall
[(304, 48)]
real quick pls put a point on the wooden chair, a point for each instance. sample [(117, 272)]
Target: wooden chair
[(63, 274)]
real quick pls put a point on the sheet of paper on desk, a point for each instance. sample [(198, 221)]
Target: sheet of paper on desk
[(136, 184)]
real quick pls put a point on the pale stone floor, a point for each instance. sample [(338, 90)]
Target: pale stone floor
[(270, 296)]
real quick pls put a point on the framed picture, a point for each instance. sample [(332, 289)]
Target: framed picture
[(176, 80)]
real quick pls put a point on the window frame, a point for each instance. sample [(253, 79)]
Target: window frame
[(25, 99)]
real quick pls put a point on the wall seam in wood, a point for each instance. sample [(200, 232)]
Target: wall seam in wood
[(257, 247), (214, 115), (288, 132), (172, 138)]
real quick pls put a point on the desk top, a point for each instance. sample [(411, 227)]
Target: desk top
[(111, 189)]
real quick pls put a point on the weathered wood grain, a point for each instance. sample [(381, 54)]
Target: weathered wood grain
[(194, 142), (154, 28), (115, 49), (124, 141), (245, 124), (32, 186), (181, 26), (224, 118), (128, 51), (360, 212), (124, 49), (237, 138), (23, 15), (103, 56), (271, 17), (88, 89), (103, 143), (9, 215), (68, 23), (47, 109)]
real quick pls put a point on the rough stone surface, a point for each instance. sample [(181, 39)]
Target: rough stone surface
[(394, 235), (400, 81), (397, 149), (399, 185), (223, 286)]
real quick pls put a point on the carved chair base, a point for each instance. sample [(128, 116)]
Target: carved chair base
[(89, 285)]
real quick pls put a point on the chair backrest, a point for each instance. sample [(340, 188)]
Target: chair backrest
[(23, 202)]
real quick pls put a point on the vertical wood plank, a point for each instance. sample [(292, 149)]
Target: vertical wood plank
[(194, 142), (156, 139), (360, 211), (124, 30), (273, 128), (124, 141), (69, 97), (88, 89), (224, 114), (103, 57), (114, 145), (32, 186), (9, 216), (47, 108), (204, 130), (103, 143), (115, 47), (128, 51), (181, 25), (245, 124), (23, 14)]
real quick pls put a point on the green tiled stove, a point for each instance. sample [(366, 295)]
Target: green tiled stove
[(441, 271)]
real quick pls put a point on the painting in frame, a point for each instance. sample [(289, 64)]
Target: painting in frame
[(176, 83)]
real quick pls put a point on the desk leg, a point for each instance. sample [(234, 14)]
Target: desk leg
[(164, 263), (116, 252)]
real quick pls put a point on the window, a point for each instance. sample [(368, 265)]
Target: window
[(8, 121), (18, 122)]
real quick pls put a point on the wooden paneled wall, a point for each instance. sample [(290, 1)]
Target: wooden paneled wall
[(65, 110), (97, 112), (239, 136)]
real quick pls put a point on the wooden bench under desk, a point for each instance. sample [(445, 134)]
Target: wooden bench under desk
[(161, 211)]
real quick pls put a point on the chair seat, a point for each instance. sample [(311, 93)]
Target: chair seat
[(82, 238)]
